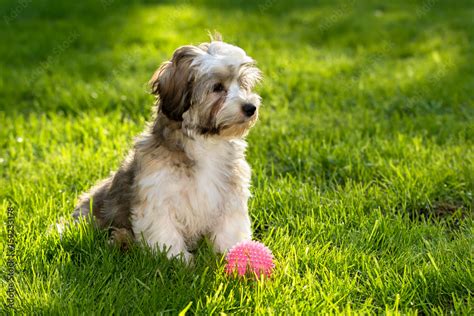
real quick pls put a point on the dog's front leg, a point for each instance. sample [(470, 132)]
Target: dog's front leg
[(163, 235), (233, 228)]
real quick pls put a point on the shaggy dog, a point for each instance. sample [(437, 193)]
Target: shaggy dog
[(187, 175)]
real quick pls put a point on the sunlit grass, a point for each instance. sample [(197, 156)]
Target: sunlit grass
[(363, 163)]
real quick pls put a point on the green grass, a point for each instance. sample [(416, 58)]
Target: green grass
[(363, 161)]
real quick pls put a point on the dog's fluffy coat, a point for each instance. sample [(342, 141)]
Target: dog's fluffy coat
[(187, 175)]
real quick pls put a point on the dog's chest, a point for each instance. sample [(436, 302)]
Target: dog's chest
[(195, 196), (210, 185)]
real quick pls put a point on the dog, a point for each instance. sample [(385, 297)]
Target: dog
[(186, 176)]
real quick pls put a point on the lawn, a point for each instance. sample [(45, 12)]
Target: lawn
[(363, 159)]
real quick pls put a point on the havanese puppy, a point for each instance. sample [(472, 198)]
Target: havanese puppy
[(186, 176)]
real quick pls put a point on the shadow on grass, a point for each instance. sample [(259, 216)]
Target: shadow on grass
[(84, 272), (83, 49)]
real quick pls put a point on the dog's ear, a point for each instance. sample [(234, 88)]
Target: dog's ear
[(173, 82)]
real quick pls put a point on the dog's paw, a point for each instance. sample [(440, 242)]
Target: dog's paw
[(121, 238), (185, 256), (188, 259)]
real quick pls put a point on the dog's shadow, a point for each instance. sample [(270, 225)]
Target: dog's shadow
[(91, 273)]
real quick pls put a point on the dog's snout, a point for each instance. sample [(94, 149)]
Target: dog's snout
[(249, 109)]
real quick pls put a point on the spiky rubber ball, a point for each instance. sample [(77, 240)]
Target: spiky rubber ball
[(251, 258)]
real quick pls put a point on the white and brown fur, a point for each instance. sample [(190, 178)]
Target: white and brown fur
[(187, 176)]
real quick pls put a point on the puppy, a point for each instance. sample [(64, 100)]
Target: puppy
[(187, 176)]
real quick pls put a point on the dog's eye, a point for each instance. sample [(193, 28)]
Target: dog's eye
[(218, 87)]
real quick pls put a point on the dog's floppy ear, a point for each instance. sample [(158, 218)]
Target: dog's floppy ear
[(173, 82)]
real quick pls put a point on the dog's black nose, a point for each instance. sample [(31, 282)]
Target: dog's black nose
[(249, 109)]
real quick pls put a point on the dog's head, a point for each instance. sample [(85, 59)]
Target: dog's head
[(210, 89)]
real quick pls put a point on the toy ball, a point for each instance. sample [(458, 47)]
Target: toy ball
[(249, 258)]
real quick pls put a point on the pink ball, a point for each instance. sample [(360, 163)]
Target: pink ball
[(249, 258)]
